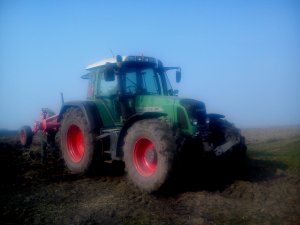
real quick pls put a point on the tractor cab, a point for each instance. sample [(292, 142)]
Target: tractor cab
[(117, 82)]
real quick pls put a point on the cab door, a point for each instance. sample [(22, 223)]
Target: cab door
[(106, 96)]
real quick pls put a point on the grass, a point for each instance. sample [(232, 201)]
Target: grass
[(286, 152)]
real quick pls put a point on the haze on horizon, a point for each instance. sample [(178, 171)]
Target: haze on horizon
[(242, 58)]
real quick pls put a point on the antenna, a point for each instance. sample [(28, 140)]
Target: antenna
[(113, 55), (62, 98)]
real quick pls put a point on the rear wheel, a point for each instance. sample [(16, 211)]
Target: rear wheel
[(25, 136), (149, 154), (76, 141)]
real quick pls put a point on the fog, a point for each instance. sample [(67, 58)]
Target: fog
[(241, 58)]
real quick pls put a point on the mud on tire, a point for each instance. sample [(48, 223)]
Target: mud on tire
[(76, 141), (149, 154)]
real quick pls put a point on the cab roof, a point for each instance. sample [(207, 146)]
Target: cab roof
[(130, 58)]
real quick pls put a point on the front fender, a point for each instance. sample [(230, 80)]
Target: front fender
[(136, 117)]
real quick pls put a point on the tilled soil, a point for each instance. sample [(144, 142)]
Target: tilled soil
[(260, 192)]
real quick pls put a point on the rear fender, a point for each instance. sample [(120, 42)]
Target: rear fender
[(214, 116), (88, 108)]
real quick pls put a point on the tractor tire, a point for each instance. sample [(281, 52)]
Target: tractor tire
[(223, 131), (76, 141), (57, 152), (25, 136), (149, 154)]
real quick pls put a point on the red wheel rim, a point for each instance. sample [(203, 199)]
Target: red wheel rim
[(23, 137), (145, 157), (75, 143)]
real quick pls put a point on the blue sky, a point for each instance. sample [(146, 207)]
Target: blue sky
[(242, 58)]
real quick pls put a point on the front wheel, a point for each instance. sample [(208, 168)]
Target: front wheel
[(149, 154)]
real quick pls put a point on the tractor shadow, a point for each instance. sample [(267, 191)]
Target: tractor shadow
[(216, 174)]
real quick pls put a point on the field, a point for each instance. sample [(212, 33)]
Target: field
[(266, 190)]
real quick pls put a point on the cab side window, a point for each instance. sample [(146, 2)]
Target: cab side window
[(106, 88)]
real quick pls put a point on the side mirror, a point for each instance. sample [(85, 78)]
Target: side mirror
[(178, 76), (109, 75)]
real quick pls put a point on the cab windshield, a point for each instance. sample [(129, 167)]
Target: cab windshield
[(141, 80)]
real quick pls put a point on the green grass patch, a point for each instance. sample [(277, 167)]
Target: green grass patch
[(281, 151)]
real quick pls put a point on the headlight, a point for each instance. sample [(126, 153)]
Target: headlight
[(194, 122), (140, 59)]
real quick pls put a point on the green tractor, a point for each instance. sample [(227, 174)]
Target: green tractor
[(133, 115)]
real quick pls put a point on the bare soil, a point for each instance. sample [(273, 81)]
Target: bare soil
[(260, 192)]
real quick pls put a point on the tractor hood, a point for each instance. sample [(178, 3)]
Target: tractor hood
[(181, 112), (165, 104), (154, 103)]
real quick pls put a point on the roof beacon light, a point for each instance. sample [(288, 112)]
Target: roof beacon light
[(119, 58)]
